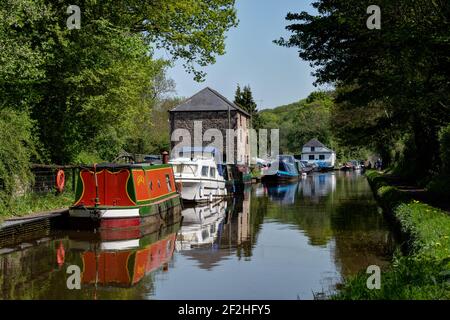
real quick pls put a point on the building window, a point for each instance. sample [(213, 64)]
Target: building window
[(313, 149), (205, 171), (311, 157), (321, 157)]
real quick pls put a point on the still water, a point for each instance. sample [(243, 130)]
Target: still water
[(292, 241)]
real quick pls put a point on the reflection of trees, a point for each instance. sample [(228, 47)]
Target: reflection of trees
[(346, 214), (361, 235)]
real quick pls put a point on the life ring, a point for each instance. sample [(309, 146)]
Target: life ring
[(60, 180)]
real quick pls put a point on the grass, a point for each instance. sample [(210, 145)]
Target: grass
[(36, 202), (424, 273)]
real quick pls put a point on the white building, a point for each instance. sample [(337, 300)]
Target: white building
[(315, 152)]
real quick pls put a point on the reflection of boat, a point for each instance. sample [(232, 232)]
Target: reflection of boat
[(284, 193), (283, 169), (318, 185), (201, 179), (201, 225), (113, 196), (125, 262)]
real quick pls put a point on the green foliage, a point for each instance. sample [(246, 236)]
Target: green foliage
[(244, 99), (429, 228), (306, 119), (17, 145), (439, 187), (34, 202), (408, 279), (86, 88), (444, 139), (392, 84)]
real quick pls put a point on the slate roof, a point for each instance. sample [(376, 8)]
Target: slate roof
[(208, 100), (314, 143)]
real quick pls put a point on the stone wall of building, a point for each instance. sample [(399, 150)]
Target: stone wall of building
[(209, 120)]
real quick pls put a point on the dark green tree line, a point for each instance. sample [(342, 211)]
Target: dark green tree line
[(392, 84), (244, 99)]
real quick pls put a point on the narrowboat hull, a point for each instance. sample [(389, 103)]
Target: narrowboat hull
[(201, 190), (279, 177), (112, 196)]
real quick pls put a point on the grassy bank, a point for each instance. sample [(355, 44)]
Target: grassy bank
[(424, 272), (35, 202)]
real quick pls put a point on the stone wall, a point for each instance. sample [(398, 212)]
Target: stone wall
[(210, 120)]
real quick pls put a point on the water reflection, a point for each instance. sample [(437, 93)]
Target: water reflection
[(274, 242), (202, 225)]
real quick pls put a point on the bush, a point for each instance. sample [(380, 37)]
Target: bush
[(428, 227), (444, 139), (17, 145), (439, 187), (85, 157)]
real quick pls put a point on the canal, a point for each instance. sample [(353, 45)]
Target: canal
[(292, 241)]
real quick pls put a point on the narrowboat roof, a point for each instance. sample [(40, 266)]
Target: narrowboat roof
[(117, 166)]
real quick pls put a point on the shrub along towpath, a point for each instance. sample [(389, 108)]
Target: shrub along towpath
[(422, 270)]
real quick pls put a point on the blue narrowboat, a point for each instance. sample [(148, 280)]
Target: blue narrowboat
[(283, 169)]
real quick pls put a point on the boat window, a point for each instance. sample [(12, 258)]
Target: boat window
[(311, 157), (151, 185), (212, 172), (177, 168), (159, 184), (169, 187), (188, 168), (205, 171), (321, 157)]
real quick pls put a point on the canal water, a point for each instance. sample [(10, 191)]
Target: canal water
[(291, 241)]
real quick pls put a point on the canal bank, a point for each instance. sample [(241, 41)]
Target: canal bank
[(423, 270)]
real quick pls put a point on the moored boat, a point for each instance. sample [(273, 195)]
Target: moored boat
[(283, 169), (200, 178), (110, 196)]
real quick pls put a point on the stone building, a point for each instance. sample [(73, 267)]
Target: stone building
[(205, 119)]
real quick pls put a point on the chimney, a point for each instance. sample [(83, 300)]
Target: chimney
[(165, 157)]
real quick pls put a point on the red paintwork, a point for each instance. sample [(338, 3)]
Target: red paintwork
[(144, 179), (112, 188), (149, 184)]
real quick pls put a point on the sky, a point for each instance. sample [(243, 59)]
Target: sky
[(276, 74)]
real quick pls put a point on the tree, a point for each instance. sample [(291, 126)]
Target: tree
[(189, 30), (20, 68), (244, 99), (398, 75), (90, 90)]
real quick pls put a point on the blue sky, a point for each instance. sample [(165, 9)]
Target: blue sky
[(276, 74)]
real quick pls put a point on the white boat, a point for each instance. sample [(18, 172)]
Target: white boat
[(200, 178)]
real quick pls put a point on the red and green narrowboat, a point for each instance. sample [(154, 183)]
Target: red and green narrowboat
[(122, 196)]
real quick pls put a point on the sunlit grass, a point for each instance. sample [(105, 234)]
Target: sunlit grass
[(34, 203)]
